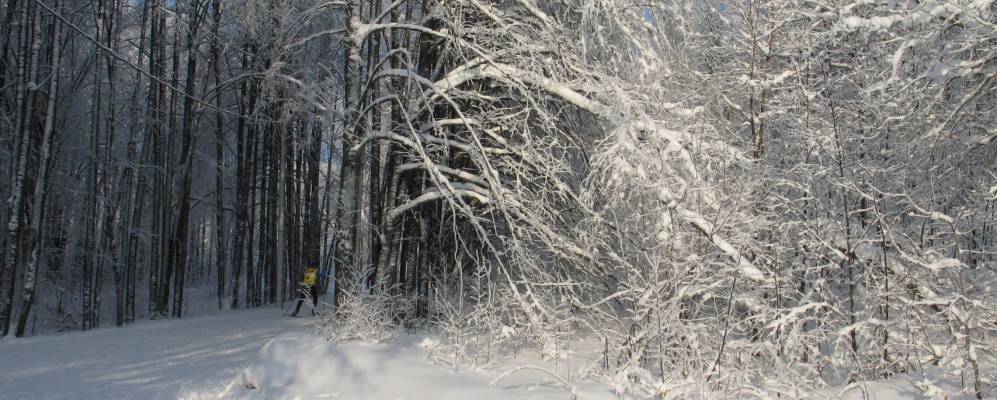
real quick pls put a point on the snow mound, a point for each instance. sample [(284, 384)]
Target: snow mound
[(305, 366), (283, 367)]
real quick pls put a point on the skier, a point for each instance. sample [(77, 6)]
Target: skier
[(308, 285)]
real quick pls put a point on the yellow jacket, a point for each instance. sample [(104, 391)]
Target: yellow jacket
[(310, 277)]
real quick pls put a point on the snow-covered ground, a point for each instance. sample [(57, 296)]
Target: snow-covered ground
[(304, 366), (256, 354), (168, 359), (259, 354)]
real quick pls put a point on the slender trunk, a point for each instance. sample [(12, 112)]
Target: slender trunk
[(135, 180), (15, 203), (339, 268), (178, 249), (169, 227), (280, 250), (220, 225), (846, 262), (11, 24), (312, 215), (252, 258), (109, 244), (243, 189), (37, 226), (157, 99)]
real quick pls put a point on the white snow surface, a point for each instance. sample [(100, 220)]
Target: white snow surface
[(166, 359), (259, 354), (216, 357), (304, 366)]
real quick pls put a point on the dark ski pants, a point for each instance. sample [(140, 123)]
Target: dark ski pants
[(313, 293)]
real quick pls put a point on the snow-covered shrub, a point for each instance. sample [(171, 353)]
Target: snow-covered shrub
[(367, 317)]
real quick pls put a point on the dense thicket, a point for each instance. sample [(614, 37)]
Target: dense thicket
[(744, 198)]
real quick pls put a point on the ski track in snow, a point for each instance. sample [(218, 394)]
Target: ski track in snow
[(166, 359)]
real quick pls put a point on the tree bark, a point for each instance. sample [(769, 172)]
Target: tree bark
[(15, 203), (37, 227)]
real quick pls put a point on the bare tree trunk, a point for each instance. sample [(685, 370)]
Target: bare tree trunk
[(340, 269), (168, 268), (244, 185), (157, 99), (271, 245), (280, 251), (330, 220), (312, 215), (178, 250), (110, 209), (292, 236), (11, 25), (135, 180), (847, 262), (220, 225), (37, 226), (100, 174), (15, 203), (254, 259)]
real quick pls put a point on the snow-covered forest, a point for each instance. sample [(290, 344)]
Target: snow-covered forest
[(719, 198)]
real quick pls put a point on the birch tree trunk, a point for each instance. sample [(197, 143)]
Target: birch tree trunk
[(15, 203), (37, 227)]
